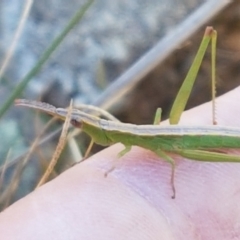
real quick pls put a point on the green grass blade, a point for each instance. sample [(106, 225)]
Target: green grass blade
[(213, 63), (45, 56), (186, 88)]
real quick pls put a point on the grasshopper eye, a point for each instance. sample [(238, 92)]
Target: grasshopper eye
[(76, 123)]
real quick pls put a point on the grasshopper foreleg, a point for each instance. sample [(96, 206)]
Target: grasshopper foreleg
[(120, 154)]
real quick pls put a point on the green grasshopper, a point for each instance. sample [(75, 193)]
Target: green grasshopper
[(196, 143)]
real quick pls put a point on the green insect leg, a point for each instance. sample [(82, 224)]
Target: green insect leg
[(124, 151), (168, 159), (157, 118), (120, 154)]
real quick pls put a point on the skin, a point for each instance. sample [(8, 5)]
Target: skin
[(134, 201)]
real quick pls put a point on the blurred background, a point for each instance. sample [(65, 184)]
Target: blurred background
[(129, 57)]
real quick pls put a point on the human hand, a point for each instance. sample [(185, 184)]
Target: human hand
[(134, 201)]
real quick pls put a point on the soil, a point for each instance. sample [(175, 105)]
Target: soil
[(159, 88)]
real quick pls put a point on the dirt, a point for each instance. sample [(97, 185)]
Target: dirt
[(159, 88)]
